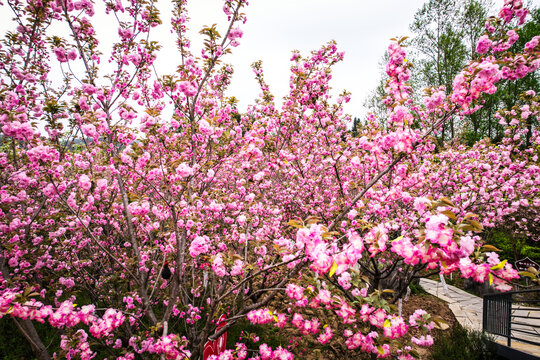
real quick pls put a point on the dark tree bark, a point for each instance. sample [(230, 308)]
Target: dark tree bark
[(27, 329)]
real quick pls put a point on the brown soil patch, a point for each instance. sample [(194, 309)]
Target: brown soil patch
[(435, 307)]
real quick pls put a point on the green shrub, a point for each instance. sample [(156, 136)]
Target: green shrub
[(267, 334), (460, 343), (416, 288), (513, 248), (13, 346), (531, 251)]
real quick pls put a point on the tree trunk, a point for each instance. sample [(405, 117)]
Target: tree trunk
[(27, 329)]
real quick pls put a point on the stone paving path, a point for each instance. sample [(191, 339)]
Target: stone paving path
[(467, 309)]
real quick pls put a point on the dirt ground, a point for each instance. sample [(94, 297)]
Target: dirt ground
[(433, 306)]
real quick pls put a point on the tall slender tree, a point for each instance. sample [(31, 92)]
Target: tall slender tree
[(439, 47)]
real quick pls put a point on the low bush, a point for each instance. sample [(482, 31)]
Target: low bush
[(460, 343)]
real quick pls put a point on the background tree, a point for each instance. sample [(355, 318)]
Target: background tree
[(445, 38), (439, 49)]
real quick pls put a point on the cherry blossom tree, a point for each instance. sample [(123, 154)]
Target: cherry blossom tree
[(136, 209)]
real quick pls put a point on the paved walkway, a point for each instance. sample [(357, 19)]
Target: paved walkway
[(467, 309)]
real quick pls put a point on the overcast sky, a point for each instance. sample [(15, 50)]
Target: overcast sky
[(362, 29)]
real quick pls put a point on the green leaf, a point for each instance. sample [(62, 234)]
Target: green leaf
[(490, 279), (387, 323)]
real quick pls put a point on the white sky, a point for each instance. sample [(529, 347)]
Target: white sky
[(362, 29)]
